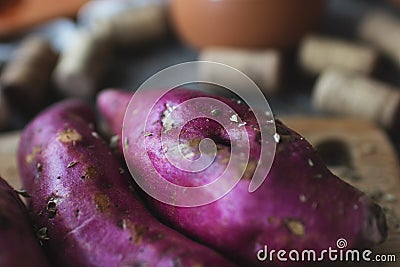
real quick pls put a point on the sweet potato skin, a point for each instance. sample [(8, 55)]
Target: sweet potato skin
[(18, 245), (301, 204), (81, 196)]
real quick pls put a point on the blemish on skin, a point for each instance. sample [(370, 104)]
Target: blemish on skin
[(303, 198), (126, 142), (69, 135), (43, 233), (95, 135), (90, 173), (310, 163), (35, 150), (234, 118), (140, 230), (39, 167), (295, 227), (51, 207), (102, 202), (72, 164), (271, 220)]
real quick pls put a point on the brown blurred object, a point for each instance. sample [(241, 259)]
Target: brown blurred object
[(81, 64), (383, 31), (318, 53), (27, 13), (262, 66), (356, 96), (5, 4), (135, 26), (245, 23), (26, 78)]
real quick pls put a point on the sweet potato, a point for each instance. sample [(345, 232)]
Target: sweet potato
[(300, 205), (82, 200), (18, 245)]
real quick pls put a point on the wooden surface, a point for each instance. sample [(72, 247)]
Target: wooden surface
[(27, 13), (372, 165)]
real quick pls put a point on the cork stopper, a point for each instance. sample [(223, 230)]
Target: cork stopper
[(135, 26), (25, 78), (383, 31), (82, 64), (319, 53), (353, 95), (262, 66)]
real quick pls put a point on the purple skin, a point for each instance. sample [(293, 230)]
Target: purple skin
[(301, 204), (82, 199), (18, 245)]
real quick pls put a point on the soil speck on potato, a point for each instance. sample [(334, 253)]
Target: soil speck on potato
[(295, 227), (72, 164), (102, 202), (35, 150), (69, 135)]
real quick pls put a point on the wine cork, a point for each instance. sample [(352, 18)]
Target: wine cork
[(383, 31), (82, 64), (136, 26), (262, 66), (319, 53), (357, 96), (26, 77)]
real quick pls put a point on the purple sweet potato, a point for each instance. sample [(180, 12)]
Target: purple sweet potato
[(18, 245), (300, 205), (84, 205)]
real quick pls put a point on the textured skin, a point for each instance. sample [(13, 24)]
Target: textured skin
[(300, 205), (80, 193), (18, 245)]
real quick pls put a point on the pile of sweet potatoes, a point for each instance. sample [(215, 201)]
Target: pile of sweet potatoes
[(88, 211)]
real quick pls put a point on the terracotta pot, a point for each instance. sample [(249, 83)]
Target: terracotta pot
[(245, 23)]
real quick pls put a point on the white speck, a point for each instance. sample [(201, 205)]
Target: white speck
[(310, 162), (239, 102), (303, 198), (355, 207), (277, 137), (268, 113), (234, 118), (242, 124), (95, 135), (167, 121), (214, 112)]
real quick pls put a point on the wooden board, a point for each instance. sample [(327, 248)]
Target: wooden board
[(371, 164), (371, 159), (28, 13), (8, 158)]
